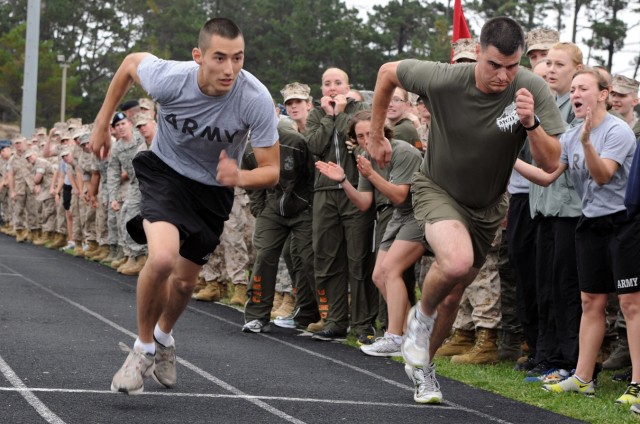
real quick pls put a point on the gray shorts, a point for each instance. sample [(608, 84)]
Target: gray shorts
[(402, 227), (432, 204)]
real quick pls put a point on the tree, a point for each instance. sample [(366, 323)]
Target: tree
[(608, 31)]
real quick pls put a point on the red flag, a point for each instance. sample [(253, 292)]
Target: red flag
[(460, 28)]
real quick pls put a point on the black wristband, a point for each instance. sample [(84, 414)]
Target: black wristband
[(344, 178), (536, 124)]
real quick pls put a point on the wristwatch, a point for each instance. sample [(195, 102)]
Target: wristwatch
[(536, 123)]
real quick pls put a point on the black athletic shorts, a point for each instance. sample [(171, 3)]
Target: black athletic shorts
[(66, 197), (197, 210), (608, 253)]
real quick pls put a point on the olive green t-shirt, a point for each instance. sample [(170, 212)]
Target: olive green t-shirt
[(475, 137), (405, 161), (404, 130)]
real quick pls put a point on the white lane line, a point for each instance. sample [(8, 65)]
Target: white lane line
[(308, 352), (33, 400), (223, 396), (192, 367), (352, 367)]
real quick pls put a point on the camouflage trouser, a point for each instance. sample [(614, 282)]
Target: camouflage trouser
[(480, 304), (19, 204), (33, 212), (214, 269), (102, 233), (283, 279), (61, 219), (88, 221), (78, 219), (48, 215), (130, 209), (237, 239), (113, 218), (5, 206)]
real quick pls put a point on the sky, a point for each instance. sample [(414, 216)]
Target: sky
[(621, 60)]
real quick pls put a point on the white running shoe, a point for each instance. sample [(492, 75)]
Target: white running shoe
[(415, 344), (383, 346), (426, 387), (130, 377)]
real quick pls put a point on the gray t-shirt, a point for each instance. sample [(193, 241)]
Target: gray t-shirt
[(612, 139), (193, 128)]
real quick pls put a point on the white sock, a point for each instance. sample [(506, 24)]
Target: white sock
[(396, 339), (165, 339), (148, 348)]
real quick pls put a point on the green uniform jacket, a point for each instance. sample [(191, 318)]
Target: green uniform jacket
[(326, 137)]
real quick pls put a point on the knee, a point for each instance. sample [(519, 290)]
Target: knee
[(454, 268), (629, 307), (593, 304), (379, 277), (161, 265), (183, 285)]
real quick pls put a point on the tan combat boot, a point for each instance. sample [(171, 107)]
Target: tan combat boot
[(34, 235), (286, 308), (101, 253), (460, 342), (277, 302), (130, 260), (211, 292), (59, 241), (485, 351), (92, 247), (316, 326), (239, 295), (21, 235), (45, 236), (201, 284), (136, 266), (78, 251)]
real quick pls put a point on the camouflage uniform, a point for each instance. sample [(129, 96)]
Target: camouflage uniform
[(237, 239), (121, 162), (22, 182), (87, 213), (44, 197), (131, 208), (214, 269), (102, 199), (5, 204), (480, 304)]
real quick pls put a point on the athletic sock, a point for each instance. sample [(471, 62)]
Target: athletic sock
[(396, 339), (148, 348), (165, 339), (581, 380)]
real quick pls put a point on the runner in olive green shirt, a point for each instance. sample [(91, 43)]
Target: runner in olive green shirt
[(482, 114)]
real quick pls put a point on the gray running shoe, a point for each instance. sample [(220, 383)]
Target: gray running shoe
[(130, 378), (426, 387), (383, 346), (256, 326), (165, 366), (415, 344)]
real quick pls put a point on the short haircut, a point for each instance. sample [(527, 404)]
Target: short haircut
[(344, 74), (601, 80), (223, 27), (572, 50), (504, 34)]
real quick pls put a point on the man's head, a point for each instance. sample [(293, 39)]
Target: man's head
[(84, 141), (624, 94), (19, 144), (464, 50), (297, 100), (5, 149), (539, 42), (499, 52), (146, 124), (31, 155), (122, 126), (220, 54), (335, 81), (130, 108)]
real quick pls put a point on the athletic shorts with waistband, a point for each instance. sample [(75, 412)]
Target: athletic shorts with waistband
[(432, 204), (404, 228), (197, 210), (608, 253)]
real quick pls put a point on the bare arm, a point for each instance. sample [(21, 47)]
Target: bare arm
[(397, 193), (124, 78), (601, 170), (362, 199), (379, 147), (265, 175), (538, 176), (545, 148)]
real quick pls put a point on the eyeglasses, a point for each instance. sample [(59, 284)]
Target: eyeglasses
[(397, 100)]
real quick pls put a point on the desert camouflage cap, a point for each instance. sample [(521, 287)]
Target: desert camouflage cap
[(142, 118), (66, 151), (18, 139), (464, 48), (74, 123), (31, 152), (541, 39), (295, 90), (147, 104), (625, 85)]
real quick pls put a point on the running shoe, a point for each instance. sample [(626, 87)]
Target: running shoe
[(383, 346), (415, 344), (165, 366), (571, 384), (130, 377), (554, 376), (256, 326), (630, 395), (426, 387)]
